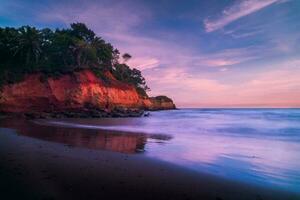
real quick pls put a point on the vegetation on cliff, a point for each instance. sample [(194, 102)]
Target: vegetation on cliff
[(28, 50)]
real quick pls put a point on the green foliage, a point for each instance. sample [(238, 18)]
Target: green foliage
[(133, 76), (28, 50), (163, 98), (126, 57)]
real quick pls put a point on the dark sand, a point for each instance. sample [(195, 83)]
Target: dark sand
[(40, 167)]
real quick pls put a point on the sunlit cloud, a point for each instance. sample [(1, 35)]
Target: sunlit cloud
[(236, 11), (232, 56), (174, 76), (243, 35), (278, 87), (144, 63)]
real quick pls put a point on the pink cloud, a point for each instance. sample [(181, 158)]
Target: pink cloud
[(229, 57), (278, 87), (143, 63)]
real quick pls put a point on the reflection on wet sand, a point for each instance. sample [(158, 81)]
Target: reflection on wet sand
[(87, 138)]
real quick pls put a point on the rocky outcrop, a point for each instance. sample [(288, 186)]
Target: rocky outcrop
[(81, 92), (159, 103)]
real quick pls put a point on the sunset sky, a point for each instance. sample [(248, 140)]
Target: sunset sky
[(214, 53)]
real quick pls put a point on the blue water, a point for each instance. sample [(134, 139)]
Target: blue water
[(256, 146)]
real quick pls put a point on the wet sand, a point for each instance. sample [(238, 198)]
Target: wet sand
[(40, 168)]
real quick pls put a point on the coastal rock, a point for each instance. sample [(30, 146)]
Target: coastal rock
[(159, 103), (75, 94)]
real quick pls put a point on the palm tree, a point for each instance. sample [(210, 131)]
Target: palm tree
[(29, 45)]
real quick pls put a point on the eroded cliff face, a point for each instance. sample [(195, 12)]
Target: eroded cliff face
[(76, 91), (159, 103)]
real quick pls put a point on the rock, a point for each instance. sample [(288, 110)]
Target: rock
[(80, 94), (2, 116), (159, 103), (147, 114)]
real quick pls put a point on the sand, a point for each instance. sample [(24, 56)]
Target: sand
[(35, 168)]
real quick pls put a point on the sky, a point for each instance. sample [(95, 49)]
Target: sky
[(201, 53)]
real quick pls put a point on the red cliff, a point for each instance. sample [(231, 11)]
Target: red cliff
[(76, 91)]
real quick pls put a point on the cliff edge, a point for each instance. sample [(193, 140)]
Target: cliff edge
[(77, 92)]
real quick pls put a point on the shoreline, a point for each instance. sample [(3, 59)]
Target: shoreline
[(83, 113), (37, 169)]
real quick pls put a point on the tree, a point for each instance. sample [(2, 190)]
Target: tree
[(126, 57), (131, 76), (29, 46), (80, 30), (26, 50), (105, 53), (61, 56)]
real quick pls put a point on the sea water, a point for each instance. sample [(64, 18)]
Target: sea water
[(255, 146)]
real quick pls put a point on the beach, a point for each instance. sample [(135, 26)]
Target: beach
[(149, 100), (37, 166)]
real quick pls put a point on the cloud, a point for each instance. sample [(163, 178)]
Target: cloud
[(143, 63), (182, 86), (278, 86), (121, 30), (105, 16), (248, 33), (228, 57), (148, 52), (236, 11), (189, 74), (174, 76)]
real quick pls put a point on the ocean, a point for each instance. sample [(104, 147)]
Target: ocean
[(253, 146)]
